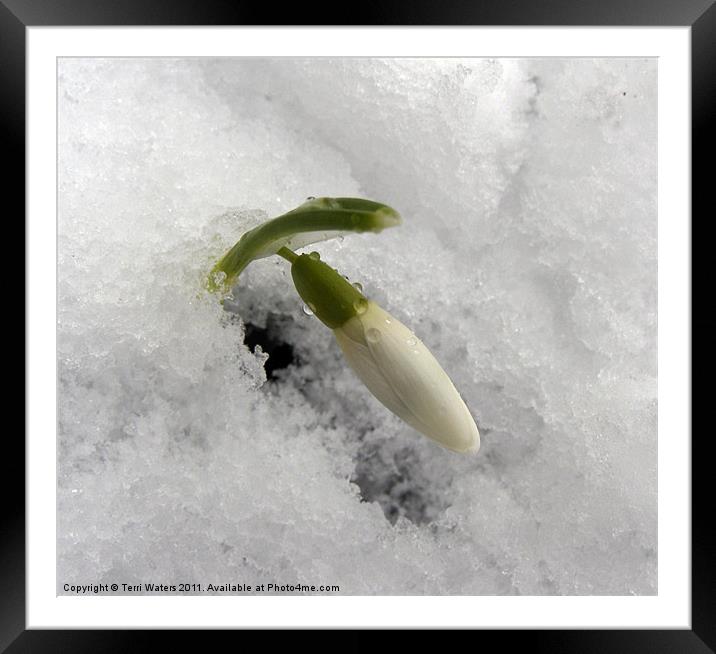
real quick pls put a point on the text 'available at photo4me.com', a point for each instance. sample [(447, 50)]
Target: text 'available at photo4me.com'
[(196, 588)]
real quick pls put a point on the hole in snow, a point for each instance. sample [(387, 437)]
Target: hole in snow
[(280, 353), (400, 482)]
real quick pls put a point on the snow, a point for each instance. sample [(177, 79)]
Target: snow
[(526, 262)]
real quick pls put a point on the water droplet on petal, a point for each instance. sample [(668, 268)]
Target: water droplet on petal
[(411, 341), (358, 286), (388, 321), (308, 309), (373, 335), (360, 306), (315, 256)]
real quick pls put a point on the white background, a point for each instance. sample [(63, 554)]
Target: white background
[(671, 608)]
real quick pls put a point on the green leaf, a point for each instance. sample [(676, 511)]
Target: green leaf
[(316, 220)]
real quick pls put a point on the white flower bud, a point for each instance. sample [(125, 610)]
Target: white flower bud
[(402, 373)]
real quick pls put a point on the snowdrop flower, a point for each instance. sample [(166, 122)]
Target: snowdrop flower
[(389, 359)]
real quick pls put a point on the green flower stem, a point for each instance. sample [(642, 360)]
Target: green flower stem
[(315, 220), (287, 254)]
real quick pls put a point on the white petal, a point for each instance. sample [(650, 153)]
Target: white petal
[(361, 360), (403, 374)]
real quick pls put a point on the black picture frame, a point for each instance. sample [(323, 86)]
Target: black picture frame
[(700, 15)]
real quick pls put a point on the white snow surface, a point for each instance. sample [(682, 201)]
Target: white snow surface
[(526, 262)]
